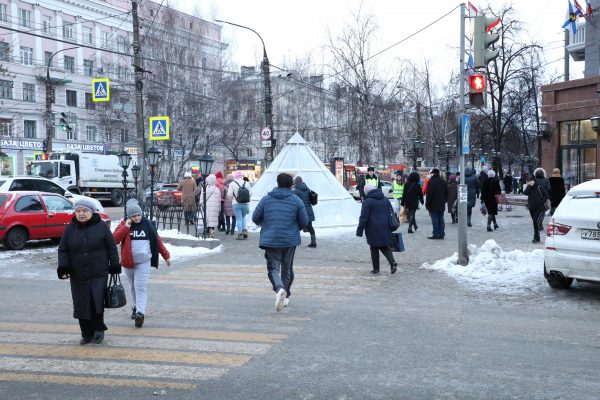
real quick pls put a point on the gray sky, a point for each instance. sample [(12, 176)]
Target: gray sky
[(294, 29)]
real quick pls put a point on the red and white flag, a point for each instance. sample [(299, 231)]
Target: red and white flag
[(579, 8), (493, 25), (589, 9), (472, 7)]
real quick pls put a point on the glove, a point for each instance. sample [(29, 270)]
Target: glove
[(63, 270), (359, 233), (114, 269)]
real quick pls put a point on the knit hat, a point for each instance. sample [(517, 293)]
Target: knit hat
[(491, 173), (133, 208), (219, 174), (187, 175), (452, 178), (539, 173), (211, 179), (238, 174), (85, 203), (368, 187), (556, 172)]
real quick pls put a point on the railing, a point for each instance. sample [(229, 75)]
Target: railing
[(173, 217)]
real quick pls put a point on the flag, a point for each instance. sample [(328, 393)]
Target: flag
[(471, 6), (589, 10), (571, 18), (579, 9), (493, 25)]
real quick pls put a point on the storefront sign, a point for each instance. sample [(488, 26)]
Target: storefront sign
[(85, 147), (21, 144)]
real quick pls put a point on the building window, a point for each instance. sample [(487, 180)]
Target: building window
[(68, 30), (47, 25), (28, 92), (29, 129), (88, 36), (151, 12), (70, 135), (71, 98), (4, 51), (122, 73), (3, 13), (124, 135), (122, 43), (26, 55), (90, 133), (70, 64), (105, 39), (6, 89), (25, 18), (6, 127), (47, 56), (89, 102), (88, 67)]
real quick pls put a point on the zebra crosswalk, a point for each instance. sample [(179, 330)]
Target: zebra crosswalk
[(167, 357)]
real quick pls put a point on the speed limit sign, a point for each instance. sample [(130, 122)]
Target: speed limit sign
[(265, 133)]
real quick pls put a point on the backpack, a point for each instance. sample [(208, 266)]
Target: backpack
[(313, 197), (243, 195)]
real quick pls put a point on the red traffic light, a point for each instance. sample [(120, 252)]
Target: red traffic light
[(477, 83)]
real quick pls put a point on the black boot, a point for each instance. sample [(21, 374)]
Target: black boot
[(313, 241), (489, 229), (469, 221)]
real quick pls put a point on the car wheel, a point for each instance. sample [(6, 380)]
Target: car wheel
[(556, 282), (117, 198), (16, 238)]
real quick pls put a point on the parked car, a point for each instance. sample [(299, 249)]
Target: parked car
[(168, 195), (157, 187), (40, 184), (28, 216), (572, 246)]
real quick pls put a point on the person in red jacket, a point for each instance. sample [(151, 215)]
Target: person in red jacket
[(140, 246)]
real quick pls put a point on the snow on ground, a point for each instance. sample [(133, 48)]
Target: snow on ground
[(179, 252), (490, 268)]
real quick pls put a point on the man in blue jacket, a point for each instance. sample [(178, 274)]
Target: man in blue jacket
[(282, 216)]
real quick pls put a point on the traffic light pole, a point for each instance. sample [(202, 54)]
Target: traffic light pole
[(463, 249)]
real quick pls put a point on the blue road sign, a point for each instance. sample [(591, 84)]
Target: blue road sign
[(159, 128), (466, 133), (100, 89)]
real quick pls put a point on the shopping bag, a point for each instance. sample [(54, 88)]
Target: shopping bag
[(397, 242), (403, 215), (114, 294), (501, 199), (482, 209)]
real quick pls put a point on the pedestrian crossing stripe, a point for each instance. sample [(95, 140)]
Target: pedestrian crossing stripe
[(159, 128), (100, 89)]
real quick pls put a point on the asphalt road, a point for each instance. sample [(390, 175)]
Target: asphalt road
[(211, 330)]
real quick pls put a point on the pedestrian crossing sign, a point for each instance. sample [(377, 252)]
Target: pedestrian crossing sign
[(159, 128), (100, 89)]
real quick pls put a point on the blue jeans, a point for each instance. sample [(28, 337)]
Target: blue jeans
[(240, 211), (439, 226)]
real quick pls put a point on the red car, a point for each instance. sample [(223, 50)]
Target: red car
[(28, 216), (168, 195)]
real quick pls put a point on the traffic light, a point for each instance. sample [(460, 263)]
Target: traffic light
[(477, 90), (45, 146), (65, 123), (482, 39)]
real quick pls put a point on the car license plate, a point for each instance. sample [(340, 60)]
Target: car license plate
[(590, 234)]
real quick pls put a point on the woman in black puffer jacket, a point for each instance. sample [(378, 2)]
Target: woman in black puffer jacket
[(411, 197), (302, 191), (537, 194)]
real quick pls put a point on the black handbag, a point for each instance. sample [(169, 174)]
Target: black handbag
[(394, 221), (397, 244), (313, 197), (114, 294)]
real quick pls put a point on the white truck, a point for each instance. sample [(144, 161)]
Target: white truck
[(95, 175)]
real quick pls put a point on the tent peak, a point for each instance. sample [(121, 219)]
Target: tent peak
[(296, 139)]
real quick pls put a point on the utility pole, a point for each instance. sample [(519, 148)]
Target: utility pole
[(139, 105), (463, 249)]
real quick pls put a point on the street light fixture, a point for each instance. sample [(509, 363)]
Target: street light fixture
[(153, 156), (267, 89), (124, 161), (135, 171), (206, 163)]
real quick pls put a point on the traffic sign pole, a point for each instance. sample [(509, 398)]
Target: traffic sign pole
[(463, 250)]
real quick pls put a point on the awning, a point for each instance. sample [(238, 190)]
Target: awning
[(54, 80)]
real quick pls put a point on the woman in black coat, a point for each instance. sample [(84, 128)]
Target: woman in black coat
[(87, 253), (411, 197), (302, 191), (557, 189), (536, 197), (491, 187), (375, 222)]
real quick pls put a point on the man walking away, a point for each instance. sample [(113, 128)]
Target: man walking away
[(435, 202), (282, 216), (187, 187)]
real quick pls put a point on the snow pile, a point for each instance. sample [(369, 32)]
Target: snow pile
[(491, 268), (175, 234), (179, 252)]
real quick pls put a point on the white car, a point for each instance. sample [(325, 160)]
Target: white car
[(39, 184), (572, 247)]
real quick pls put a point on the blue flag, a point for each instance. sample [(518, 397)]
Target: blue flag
[(572, 15)]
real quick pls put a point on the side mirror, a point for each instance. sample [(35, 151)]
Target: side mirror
[(68, 194)]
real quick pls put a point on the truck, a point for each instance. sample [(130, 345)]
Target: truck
[(95, 175)]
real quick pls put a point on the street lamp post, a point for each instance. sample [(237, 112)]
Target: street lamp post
[(153, 156), (267, 89), (205, 162), (135, 171), (124, 161), (49, 99)]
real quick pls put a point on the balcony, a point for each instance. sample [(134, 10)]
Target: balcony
[(576, 46), (57, 75)]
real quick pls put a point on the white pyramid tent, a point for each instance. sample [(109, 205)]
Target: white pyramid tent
[(335, 208)]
